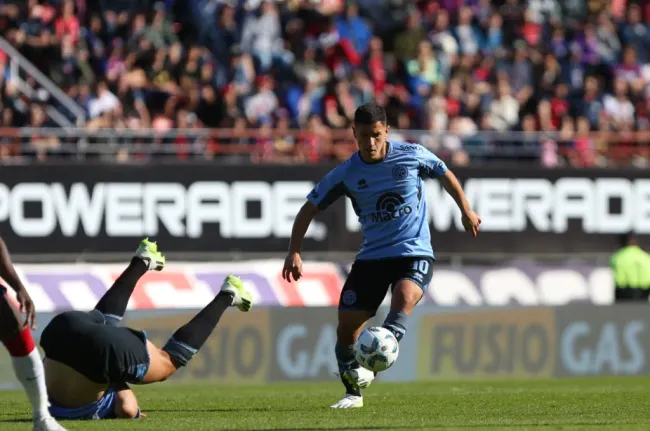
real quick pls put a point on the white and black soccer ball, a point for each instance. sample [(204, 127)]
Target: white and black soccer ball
[(376, 349)]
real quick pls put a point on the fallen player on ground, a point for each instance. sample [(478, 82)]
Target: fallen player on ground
[(90, 360)]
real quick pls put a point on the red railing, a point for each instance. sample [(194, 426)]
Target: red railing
[(316, 144)]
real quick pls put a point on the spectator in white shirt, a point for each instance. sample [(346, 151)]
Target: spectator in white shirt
[(105, 101), (504, 110), (618, 107), (262, 35), (262, 104)]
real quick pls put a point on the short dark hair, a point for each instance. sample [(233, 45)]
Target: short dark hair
[(370, 113), (627, 239)]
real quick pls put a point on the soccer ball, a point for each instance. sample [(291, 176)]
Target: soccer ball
[(376, 349)]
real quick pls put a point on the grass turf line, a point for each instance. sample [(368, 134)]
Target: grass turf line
[(615, 403)]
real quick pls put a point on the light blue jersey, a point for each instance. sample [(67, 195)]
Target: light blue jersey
[(388, 198)]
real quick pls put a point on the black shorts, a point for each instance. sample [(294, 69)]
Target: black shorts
[(369, 280), (102, 353)]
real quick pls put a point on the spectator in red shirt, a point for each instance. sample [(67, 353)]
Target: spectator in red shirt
[(68, 24), (376, 66), (584, 154), (559, 104)]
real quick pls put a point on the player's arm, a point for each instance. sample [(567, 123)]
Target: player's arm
[(7, 271), (326, 192), (300, 226), (8, 274), (432, 167)]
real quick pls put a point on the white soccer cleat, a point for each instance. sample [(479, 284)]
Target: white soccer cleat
[(47, 424), (242, 298), (348, 402), (359, 377), (148, 252)]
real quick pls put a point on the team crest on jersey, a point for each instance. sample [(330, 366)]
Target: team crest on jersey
[(349, 297), (400, 172)]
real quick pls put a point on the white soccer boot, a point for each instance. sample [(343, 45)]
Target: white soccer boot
[(48, 424), (348, 402), (242, 298), (359, 377), (148, 252)]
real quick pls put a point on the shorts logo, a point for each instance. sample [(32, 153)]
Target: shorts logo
[(314, 194), (400, 172), (349, 297)]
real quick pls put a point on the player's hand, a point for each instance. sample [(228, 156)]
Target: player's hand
[(27, 307), (471, 223), (292, 267)]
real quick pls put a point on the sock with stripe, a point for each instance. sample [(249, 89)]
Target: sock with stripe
[(28, 366), (396, 323), (189, 338), (346, 361)]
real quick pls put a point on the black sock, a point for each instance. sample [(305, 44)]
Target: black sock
[(113, 303), (189, 338), (396, 323), (346, 361)]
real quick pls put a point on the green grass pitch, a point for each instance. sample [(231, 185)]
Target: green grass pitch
[(577, 404)]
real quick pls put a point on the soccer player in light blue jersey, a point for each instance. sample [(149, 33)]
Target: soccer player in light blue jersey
[(384, 181)]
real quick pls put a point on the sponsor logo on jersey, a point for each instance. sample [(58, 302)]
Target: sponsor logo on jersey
[(390, 206), (362, 184), (412, 147)]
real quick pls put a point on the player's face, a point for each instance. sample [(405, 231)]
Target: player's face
[(371, 139)]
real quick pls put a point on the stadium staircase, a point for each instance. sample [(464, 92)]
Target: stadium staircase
[(57, 102)]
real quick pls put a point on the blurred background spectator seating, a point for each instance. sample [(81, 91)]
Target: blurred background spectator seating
[(547, 82)]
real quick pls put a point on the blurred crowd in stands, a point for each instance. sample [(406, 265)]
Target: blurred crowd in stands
[(573, 67)]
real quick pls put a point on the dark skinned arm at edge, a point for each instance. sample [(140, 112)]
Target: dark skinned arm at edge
[(7, 271), (9, 275)]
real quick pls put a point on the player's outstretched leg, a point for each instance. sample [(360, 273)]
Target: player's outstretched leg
[(114, 302), (27, 363), (189, 338)]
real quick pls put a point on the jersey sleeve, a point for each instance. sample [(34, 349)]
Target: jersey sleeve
[(430, 166), (329, 188)]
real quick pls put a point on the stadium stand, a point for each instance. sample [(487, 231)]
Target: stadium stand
[(477, 79)]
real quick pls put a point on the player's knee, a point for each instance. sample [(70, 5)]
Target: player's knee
[(161, 366), (407, 294), (166, 372)]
